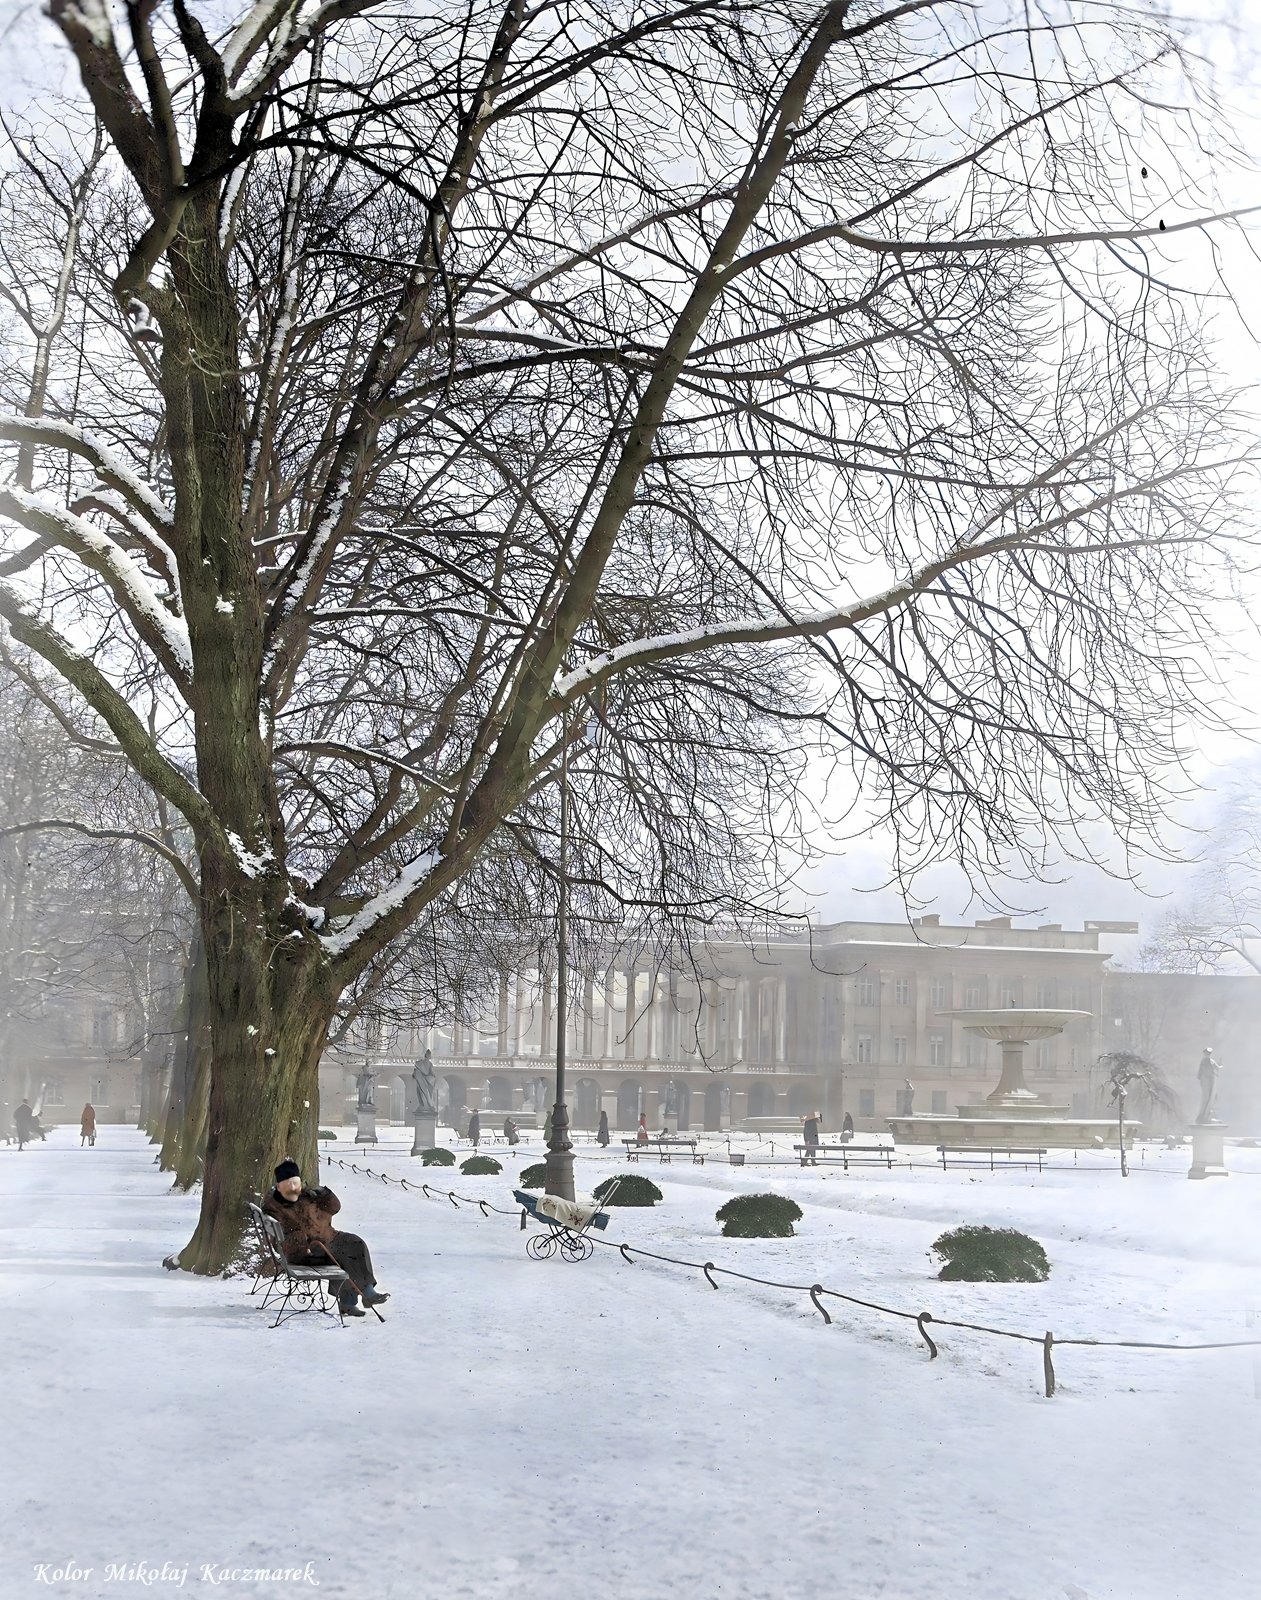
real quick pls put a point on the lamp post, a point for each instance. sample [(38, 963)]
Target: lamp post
[(559, 1161)]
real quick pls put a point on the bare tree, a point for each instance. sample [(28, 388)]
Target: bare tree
[(749, 381), (91, 915), (1215, 925)]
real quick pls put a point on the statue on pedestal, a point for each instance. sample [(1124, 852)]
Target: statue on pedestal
[(426, 1086), (1209, 1074), (364, 1083)]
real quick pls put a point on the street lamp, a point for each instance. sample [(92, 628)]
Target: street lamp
[(559, 1161)]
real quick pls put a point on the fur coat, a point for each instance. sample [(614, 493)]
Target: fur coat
[(305, 1220)]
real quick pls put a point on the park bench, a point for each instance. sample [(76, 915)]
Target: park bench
[(664, 1148), (299, 1289), (849, 1155), (971, 1155)]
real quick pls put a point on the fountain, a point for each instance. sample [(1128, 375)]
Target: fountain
[(1012, 1114)]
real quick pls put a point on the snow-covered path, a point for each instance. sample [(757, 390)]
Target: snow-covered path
[(625, 1433)]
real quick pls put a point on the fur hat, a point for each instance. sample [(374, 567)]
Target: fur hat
[(288, 1169)]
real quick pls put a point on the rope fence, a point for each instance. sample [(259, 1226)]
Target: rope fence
[(815, 1291)]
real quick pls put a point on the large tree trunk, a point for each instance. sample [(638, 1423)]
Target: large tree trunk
[(269, 1011)]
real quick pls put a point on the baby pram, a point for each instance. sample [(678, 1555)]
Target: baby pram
[(565, 1223)]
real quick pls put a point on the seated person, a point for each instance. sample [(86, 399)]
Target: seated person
[(306, 1215), (510, 1131)]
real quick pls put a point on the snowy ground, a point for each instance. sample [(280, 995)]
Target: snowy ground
[(623, 1432)]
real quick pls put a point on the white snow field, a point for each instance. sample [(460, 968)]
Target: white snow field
[(607, 1431)]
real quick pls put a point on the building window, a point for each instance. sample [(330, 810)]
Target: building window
[(974, 996), (937, 995), (1009, 992), (899, 1052), (939, 1102), (100, 1091), (862, 1049), (102, 1027), (53, 1093), (1046, 992), (937, 1049), (1078, 997), (1045, 1058), (975, 1051), (865, 992), (902, 991), (866, 1102)]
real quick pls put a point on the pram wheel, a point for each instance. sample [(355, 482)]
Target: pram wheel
[(540, 1245), (573, 1247)]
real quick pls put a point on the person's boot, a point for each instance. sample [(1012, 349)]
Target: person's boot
[(348, 1308), (374, 1297)]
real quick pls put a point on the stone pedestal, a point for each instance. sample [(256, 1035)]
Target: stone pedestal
[(1208, 1150), (367, 1130), (424, 1131)]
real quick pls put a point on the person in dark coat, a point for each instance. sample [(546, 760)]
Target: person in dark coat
[(306, 1215), (475, 1128), (510, 1131), (87, 1126), (602, 1134), (24, 1123), (847, 1126), (810, 1132), (641, 1132)]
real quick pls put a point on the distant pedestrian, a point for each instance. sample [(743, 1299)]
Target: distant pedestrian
[(475, 1128), (24, 1123), (87, 1126), (641, 1132), (847, 1126), (510, 1131), (810, 1132), (602, 1133)]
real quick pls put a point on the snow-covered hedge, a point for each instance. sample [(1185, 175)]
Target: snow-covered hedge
[(632, 1190), (436, 1156), (977, 1254), (533, 1177), (759, 1216), (480, 1167)]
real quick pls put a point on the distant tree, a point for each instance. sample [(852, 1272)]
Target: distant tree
[(1215, 925), (1126, 1074)]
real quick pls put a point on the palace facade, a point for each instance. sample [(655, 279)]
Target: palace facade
[(850, 1019)]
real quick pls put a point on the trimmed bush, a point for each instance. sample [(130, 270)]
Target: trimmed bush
[(991, 1255), (533, 1177), (326, 1133), (759, 1216), (436, 1156), (480, 1167), (632, 1190)]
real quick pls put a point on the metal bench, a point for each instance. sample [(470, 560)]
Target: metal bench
[(664, 1148), (298, 1289), (849, 1155), (983, 1155)]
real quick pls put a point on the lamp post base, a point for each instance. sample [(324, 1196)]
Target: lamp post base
[(559, 1161)]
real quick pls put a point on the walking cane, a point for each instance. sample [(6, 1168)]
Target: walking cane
[(349, 1279)]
